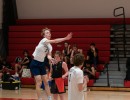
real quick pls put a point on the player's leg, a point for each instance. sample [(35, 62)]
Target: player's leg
[(38, 84), (61, 96), (47, 88), (55, 96), (35, 69)]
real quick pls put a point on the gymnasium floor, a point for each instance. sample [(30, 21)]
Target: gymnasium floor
[(30, 94)]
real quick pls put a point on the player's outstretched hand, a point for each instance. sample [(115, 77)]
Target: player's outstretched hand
[(69, 36)]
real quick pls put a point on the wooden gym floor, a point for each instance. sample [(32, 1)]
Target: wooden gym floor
[(30, 94)]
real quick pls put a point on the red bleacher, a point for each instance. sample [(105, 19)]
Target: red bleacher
[(26, 35)]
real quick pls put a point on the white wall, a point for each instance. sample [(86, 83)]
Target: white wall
[(34, 9), (0, 14)]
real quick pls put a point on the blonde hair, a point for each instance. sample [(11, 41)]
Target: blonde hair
[(58, 53), (43, 31)]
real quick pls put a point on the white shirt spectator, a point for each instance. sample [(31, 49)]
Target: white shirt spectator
[(75, 78), (42, 50)]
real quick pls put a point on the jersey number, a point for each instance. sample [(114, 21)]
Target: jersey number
[(69, 77)]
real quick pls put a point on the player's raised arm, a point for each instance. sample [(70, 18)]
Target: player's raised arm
[(58, 40)]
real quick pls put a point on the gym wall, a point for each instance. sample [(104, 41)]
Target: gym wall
[(39, 9)]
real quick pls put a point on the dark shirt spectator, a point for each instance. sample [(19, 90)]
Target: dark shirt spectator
[(6, 64), (89, 70), (20, 63), (92, 55), (5, 67), (66, 52)]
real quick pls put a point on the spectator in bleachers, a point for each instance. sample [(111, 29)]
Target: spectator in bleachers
[(89, 70), (57, 76), (5, 67), (92, 55), (74, 51), (37, 65), (6, 64), (20, 64), (66, 52)]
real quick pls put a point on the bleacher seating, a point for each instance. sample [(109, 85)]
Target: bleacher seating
[(91, 82), (21, 37), (127, 83), (26, 36)]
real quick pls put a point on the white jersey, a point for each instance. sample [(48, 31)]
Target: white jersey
[(75, 78), (42, 50)]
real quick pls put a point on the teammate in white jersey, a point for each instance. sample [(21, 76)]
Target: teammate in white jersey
[(37, 65), (76, 81)]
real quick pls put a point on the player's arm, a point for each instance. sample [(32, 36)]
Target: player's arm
[(50, 58), (82, 81), (51, 68), (51, 71), (58, 40), (81, 86), (25, 62), (93, 71), (65, 67)]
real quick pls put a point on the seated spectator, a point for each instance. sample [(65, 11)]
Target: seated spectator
[(89, 70), (66, 53), (92, 55), (74, 51), (6, 66), (20, 64)]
